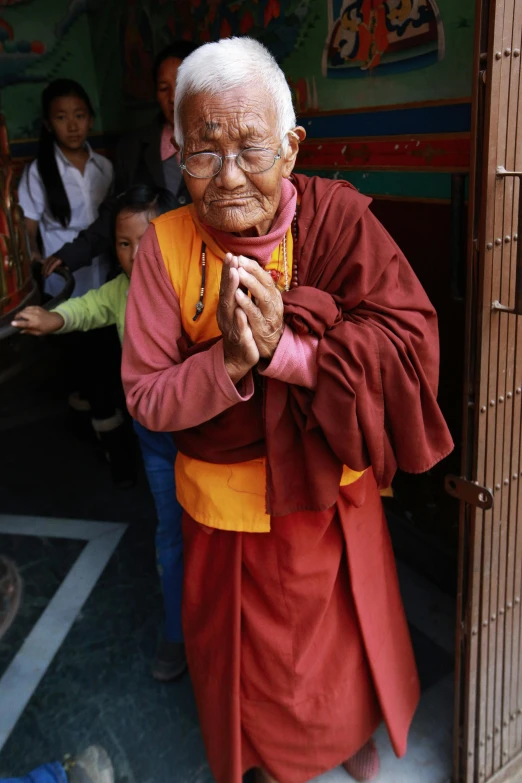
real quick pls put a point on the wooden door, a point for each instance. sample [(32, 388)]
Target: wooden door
[(488, 746)]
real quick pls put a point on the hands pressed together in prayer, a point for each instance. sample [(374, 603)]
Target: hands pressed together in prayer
[(251, 325)]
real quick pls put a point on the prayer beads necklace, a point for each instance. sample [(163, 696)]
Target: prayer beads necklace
[(200, 305), (295, 234), (275, 274)]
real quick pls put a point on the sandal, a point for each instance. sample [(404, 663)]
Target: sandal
[(365, 764)]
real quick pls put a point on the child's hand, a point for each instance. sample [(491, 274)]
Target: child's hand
[(50, 265), (37, 321)]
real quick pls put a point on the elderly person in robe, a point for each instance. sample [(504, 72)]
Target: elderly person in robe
[(278, 332)]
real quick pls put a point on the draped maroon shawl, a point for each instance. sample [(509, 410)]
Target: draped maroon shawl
[(375, 400)]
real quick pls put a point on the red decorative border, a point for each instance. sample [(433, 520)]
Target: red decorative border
[(442, 154), (445, 153)]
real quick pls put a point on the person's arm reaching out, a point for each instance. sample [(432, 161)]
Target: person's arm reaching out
[(91, 242)]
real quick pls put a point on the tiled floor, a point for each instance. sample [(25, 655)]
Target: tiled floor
[(44, 566), (86, 667), (98, 686)]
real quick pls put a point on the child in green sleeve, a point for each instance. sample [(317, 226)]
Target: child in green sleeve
[(103, 307)]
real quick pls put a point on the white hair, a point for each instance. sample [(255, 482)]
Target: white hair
[(233, 62)]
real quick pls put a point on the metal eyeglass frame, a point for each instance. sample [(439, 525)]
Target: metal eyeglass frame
[(222, 158)]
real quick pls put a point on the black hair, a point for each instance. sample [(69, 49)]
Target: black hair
[(143, 198), (177, 49), (46, 161)]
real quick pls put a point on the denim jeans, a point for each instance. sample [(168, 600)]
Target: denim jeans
[(159, 454), (48, 773)]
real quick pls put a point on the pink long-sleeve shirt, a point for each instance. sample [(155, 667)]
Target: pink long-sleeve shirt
[(167, 394)]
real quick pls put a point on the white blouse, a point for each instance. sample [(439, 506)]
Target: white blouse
[(85, 193)]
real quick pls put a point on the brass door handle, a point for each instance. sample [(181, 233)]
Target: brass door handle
[(496, 305)]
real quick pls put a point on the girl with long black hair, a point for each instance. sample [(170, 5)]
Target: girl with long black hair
[(145, 155), (60, 192)]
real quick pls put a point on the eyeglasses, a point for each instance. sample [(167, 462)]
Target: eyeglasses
[(254, 160)]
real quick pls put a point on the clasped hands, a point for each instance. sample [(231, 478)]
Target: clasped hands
[(251, 325)]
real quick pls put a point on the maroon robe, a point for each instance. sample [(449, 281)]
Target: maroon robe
[(296, 640), (378, 363)]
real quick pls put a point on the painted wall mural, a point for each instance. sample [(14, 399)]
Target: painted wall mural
[(137, 46), (41, 40), (395, 35), (346, 94), (318, 43), (145, 26), (277, 23), (18, 52), (368, 53)]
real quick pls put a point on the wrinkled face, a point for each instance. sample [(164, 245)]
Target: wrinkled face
[(70, 121), (130, 227), (166, 87), (233, 200)]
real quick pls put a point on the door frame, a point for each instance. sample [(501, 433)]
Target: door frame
[(488, 717)]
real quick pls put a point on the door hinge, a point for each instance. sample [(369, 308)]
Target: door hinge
[(469, 492)]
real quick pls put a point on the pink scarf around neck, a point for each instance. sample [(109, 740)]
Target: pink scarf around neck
[(261, 248)]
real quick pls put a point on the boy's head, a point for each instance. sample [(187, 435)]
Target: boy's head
[(134, 210)]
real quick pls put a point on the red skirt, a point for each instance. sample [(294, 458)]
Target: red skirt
[(296, 640)]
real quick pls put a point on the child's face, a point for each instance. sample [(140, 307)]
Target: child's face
[(70, 121), (130, 227)]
